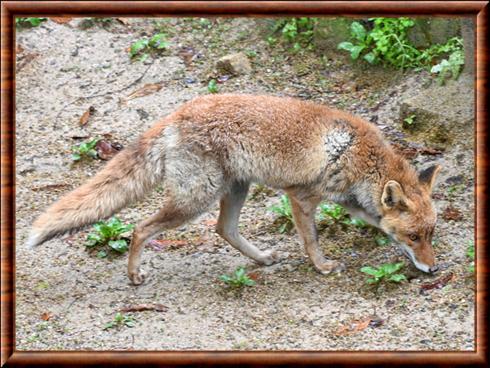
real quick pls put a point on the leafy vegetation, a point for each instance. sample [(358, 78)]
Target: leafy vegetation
[(297, 32), (386, 272), (409, 120), (141, 49), (238, 279), (471, 255), (338, 214), (387, 42), (213, 86), (84, 150), (285, 214), (29, 22), (119, 321), (109, 233)]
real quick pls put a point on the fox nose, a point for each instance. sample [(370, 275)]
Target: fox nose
[(434, 269)]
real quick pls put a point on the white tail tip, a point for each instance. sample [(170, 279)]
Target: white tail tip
[(33, 240)]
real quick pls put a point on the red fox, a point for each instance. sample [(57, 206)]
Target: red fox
[(213, 147)]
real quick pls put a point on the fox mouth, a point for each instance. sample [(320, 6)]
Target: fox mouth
[(409, 254)]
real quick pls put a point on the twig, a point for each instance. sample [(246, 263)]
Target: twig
[(136, 81)]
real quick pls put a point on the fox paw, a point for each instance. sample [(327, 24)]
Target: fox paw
[(328, 267), (271, 257), (137, 278)]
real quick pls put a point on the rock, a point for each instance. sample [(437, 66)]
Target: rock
[(329, 32), (430, 31), (441, 115), (235, 64)]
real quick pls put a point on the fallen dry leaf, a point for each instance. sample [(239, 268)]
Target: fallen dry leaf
[(146, 90), (46, 316), (86, 116), (145, 307), (430, 151), (106, 150), (253, 275), (353, 327), (437, 284), (124, 21), (452, 213), (61, 20)]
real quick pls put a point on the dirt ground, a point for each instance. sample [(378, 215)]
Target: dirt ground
[(66, 295)]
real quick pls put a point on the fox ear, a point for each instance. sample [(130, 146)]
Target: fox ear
[(427, 177), (393, 196)]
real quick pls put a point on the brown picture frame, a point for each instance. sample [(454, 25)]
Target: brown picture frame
[(10, 9)]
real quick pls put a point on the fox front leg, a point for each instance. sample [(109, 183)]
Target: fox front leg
[(304, 219)]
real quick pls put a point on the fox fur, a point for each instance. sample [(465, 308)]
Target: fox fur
[(213, 147)]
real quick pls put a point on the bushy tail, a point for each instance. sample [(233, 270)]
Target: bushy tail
[(126, 178)]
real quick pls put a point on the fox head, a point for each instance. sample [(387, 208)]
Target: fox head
[(409, 217)]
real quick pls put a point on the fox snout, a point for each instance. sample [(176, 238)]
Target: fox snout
[(423, 258)]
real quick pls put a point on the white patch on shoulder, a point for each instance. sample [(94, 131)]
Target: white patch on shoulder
[(336, 142)]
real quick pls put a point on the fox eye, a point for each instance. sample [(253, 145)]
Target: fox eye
[(413, 237)]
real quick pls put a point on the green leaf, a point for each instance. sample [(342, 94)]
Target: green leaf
[(356, 51), (370, 57), (76, 157), (370, 270), (137, 47), (102, 254), (120, 246), (213, 86), (345, 46), (158, 41), (397, 278), (358, 31)]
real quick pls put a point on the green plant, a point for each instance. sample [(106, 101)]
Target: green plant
[(120, 320), (29, 22), (409, 120), (382, 241), (471, 255), (143, 47), (332, 210), (285, 214), (213, 86), (109, 233), (84, 150), (296, 31), (387, 42), (449, 68), (385, 272), (238, 279)]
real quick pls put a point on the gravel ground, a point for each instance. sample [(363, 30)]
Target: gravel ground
[(66, 295)]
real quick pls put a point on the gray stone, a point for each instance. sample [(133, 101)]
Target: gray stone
[(329, 32), (430, 31), (443, 115), (235, 64)]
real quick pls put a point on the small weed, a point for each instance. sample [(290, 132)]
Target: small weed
[(385, 272), (251, 53), (449, 68), (142, 48), (119, 321), (285, 214), (213, 86), (333, 211), (382, 241), (471, 255), (298, 32), (409, 120), (84, 150), (29, 22), (238, 279), (109, 233)]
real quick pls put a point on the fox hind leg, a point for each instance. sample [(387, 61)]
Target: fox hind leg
[(230, 206)]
